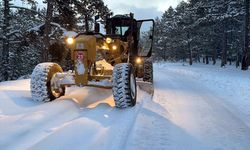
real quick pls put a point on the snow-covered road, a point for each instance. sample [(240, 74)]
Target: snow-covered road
[(189, 113), (83, 119), (198, 107)]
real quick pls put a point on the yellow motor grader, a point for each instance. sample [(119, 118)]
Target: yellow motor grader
[(115, 60)]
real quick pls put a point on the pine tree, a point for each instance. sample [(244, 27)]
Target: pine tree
[(24, 56), (158, 47), (90, 8), (6, 44), (203, 28), (1, 34), (246, 38), (47, 29), (65, 14)]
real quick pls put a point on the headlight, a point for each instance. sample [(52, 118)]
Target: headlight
[(70, 41), (108, 40), (138, 60), (104, 47), (114, 47)]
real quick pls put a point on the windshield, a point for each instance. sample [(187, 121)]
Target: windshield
[(121, 30)]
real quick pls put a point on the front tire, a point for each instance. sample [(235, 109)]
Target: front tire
[(124, 85), (41, 86)]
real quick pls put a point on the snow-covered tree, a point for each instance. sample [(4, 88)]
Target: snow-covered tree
[(1, 32), (64, 14), (246, 37), (207, 29), (88, 9), (5, 39)]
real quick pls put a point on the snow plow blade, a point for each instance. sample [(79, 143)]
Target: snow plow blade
[(146, 86)]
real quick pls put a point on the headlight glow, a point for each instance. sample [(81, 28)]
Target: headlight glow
[(104, 47), (108, 40), (138, 60), (114, 47), (70, 41)]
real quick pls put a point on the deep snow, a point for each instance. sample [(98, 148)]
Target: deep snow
[(194, 107)]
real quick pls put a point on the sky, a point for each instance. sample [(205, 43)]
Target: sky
[(143, 9)]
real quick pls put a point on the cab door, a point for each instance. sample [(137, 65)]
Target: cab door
[(145, 36)]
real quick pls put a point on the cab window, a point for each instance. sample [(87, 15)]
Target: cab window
[(121, 30)]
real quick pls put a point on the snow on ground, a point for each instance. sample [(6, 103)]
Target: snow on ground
[(231, 84), (194, 107), (83, 119)]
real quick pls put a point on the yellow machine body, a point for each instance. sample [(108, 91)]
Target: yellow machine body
[(87, 49)]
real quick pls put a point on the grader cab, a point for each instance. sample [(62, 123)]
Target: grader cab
[(115, 60)]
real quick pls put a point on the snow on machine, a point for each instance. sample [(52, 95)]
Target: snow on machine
[(115, 60)]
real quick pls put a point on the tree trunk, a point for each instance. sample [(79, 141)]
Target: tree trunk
[(238, 58), (214, 56), (199, 59), (207, 61), (224, 48), (165, 57), (190, 50), (47, 29), (86, 20), (198, 55), (244, 64), (6, 44)]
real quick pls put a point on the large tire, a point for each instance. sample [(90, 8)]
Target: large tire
[(148, 71), (124, 85), (40, 84)]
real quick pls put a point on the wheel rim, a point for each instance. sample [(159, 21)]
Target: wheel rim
[(55, 89), (132, 85), (56, 92)]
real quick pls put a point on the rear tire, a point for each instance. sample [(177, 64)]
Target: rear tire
[(124, 85), (148, 71), (40, 85)]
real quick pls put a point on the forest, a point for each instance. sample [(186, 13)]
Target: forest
[(206, 31)]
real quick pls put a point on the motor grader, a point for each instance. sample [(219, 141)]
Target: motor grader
[(118, 60)]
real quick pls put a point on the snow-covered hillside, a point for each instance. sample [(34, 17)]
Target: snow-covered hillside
[(193, 107)]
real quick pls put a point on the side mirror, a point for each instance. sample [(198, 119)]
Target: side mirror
[(97, 27), (146, 37)]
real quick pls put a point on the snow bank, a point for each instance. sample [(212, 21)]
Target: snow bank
[(83, 119)]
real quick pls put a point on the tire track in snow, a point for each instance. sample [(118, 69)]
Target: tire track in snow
[(154, 128)]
